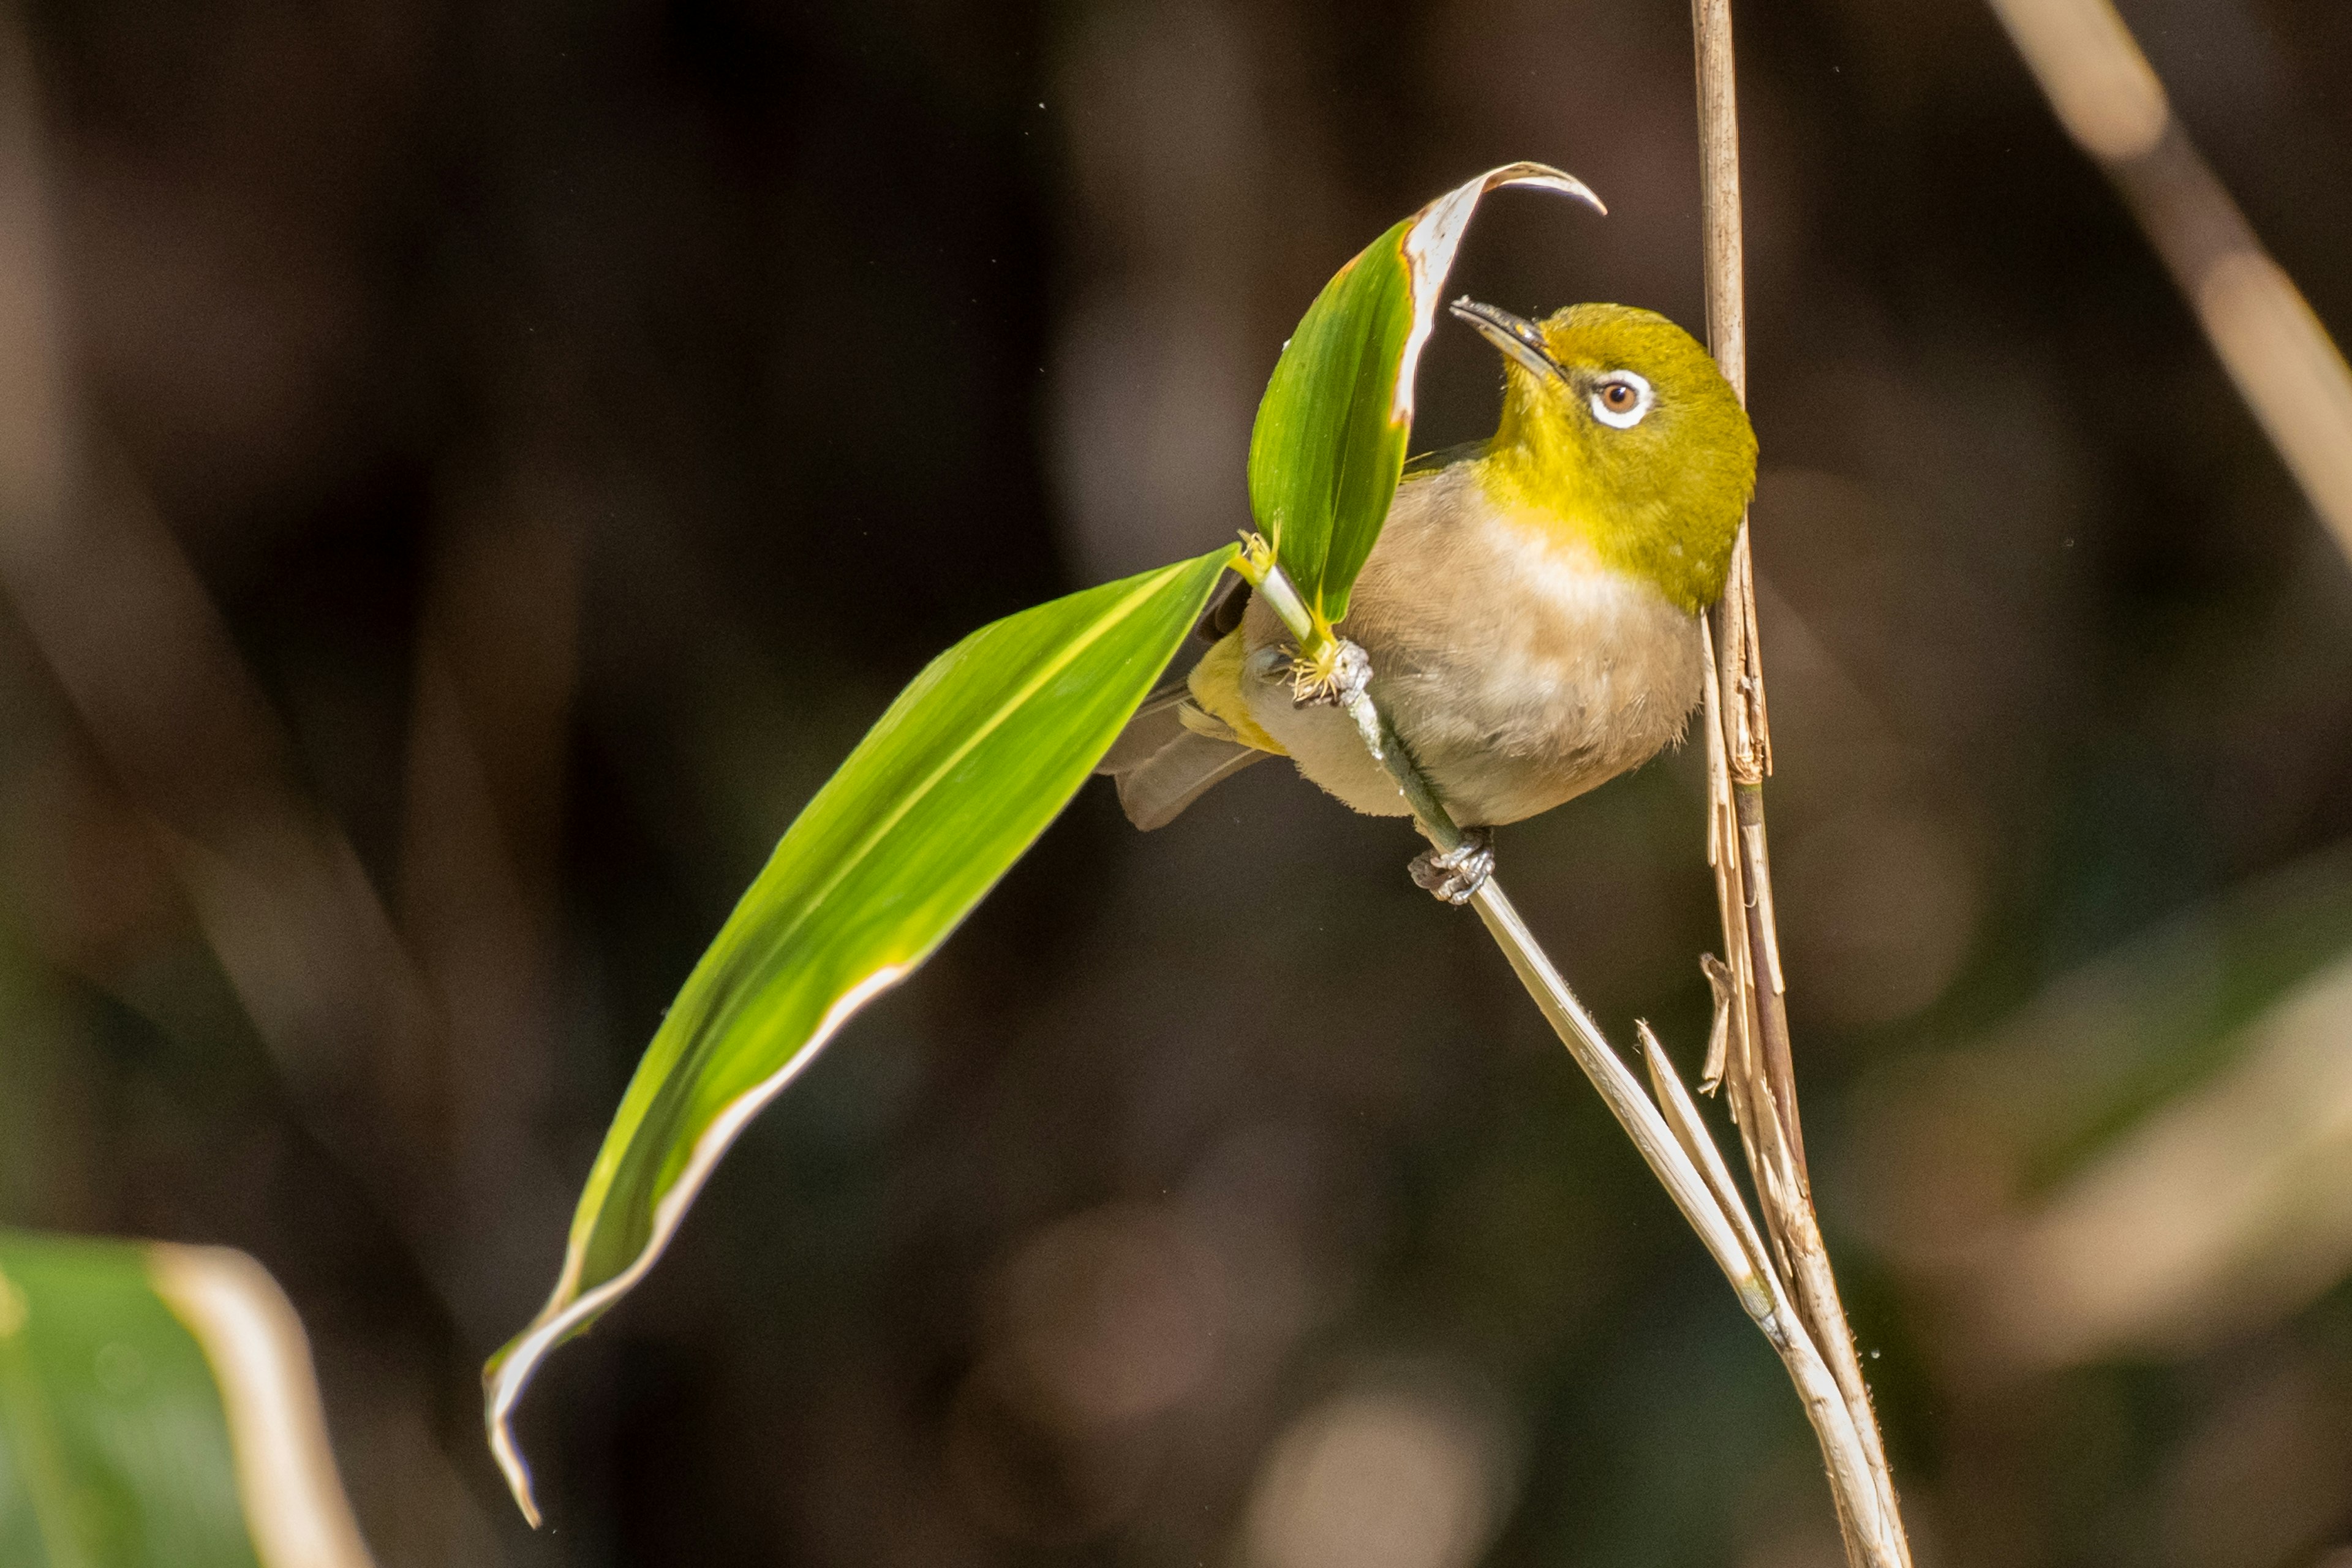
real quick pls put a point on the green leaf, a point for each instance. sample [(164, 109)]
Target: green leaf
[(1330, 442), (157, 1410), (949, 787)]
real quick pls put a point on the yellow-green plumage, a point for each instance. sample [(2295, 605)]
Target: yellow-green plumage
[(1529, 609), (1660, 500)]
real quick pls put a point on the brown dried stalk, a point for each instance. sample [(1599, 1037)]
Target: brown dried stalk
[(2286, 367), (1750, 1051)]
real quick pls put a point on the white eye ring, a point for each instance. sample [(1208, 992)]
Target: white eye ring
[(1627, 419)]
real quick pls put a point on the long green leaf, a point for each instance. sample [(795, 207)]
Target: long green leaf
[(949, 787), (157, 1411), (1330, 442)]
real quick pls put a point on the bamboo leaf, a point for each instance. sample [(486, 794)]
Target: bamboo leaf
[(157, 1408), (949, 787), (1329, 441)]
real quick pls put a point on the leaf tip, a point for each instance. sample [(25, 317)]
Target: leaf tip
[(503, 1379), (571, 1310), (1428, 247)]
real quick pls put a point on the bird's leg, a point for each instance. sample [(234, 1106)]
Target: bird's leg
[(1456, 875)]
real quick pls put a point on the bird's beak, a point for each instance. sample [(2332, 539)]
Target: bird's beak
[(1515, 335)]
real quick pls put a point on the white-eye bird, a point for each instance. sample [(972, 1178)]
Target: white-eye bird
[(1528, 610)]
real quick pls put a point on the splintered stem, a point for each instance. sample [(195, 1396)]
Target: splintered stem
[(1756, 1061)]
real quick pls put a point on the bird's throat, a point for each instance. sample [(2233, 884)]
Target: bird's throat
[(1550, 481)]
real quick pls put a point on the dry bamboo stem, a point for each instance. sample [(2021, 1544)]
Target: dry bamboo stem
[(1757, 1065), (2286, 367)]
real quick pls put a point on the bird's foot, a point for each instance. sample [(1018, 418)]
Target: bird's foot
[(1456, 876)]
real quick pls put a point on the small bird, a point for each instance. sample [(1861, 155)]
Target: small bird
[(1528, 610)]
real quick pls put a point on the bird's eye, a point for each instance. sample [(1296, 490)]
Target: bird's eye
[(1621, 399)]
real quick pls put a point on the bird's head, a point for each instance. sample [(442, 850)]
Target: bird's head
[(1618, 429)]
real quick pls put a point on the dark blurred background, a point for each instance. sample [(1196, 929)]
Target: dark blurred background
[(468, 472)]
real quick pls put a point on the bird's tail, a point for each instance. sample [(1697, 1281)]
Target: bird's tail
[(1170, 756)]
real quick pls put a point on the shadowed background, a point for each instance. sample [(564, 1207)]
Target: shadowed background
[(467, 475)]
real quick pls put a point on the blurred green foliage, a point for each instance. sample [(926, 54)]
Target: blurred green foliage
[(114, 1451)]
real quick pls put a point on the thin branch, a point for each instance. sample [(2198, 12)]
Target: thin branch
[(2286, 366), (1759, 1062), (1691, 1133)]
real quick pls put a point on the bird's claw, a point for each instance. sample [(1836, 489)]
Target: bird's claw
[(1456, 875)]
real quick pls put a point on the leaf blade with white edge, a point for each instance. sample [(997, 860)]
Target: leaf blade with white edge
[(157, 1404), (1329, 440), (970, 764)]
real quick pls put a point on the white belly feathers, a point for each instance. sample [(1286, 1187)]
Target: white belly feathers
[(1518, 668)]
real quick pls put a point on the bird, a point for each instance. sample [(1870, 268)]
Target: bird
[(1529, 610)]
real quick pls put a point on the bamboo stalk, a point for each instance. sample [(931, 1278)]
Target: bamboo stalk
[(1759, 1064)]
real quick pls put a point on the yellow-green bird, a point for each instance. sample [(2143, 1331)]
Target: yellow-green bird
[(1530, 611)]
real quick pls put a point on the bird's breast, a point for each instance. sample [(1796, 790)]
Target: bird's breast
[(1520, 669)]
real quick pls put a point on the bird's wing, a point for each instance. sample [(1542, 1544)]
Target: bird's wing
[(1444, 457), (1170, 755), (1155, 792), (1155, 724)]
